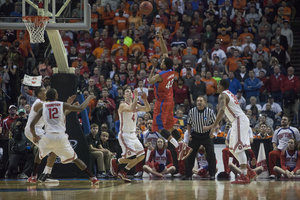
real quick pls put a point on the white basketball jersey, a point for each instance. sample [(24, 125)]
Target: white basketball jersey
[(291, 161), (161, 158), (40, 124), (54, 117), (232, 109), (282, 135), (128, 121), (201, 160)]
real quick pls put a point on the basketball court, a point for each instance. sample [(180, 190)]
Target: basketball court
[(148, 189)]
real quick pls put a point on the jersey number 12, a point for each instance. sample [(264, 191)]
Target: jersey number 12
[(53, 113)]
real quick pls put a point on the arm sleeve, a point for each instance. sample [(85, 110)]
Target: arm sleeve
[(190, 120), (282, 161), (297, 164), (170, 159), (151, 157)]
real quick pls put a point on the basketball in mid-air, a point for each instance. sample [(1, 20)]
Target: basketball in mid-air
[(146, 8)]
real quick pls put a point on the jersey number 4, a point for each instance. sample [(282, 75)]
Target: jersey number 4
[(170, 84), (53, 113)]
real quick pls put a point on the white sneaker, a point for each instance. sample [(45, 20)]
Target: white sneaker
[(138, 174), (196, 176), (272, 176), (168, 175), (177, 175)]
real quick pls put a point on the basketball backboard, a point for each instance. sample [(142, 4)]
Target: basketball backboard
[(62, 15)]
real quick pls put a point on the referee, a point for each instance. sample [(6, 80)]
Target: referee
[(200, 121)]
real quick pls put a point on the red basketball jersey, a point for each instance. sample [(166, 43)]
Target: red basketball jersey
[(164, 90)]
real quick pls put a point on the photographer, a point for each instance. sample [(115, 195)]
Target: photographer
[(21, 149), (99, 113)]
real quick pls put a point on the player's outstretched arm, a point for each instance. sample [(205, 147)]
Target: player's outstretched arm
[(222, 103), (33, 123), (78, 108), (163, 46), (154, 78), (145, 108)]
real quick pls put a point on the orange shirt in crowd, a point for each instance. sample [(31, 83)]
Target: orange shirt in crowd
[(272, 48), (136, 47), (232, 63), (100, 10), (239, 43), (211, 86), (239, 4), (120, 22), (222, 134), (155, 56), (225, 40), (259, 137), (94, 24), (147, 68), (25, 45), (99, 51), (75, 63), (266, 49), (5, 44), (156, 43), (136, 20), (194, 51), (26, 35), (108, 18), (124, 46), (126, 11), (243, 36), (160, 25), (91, 105)]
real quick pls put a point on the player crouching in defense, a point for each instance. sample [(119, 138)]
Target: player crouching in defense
[(132, 148), (290, 161), (202, 171), (160, 160), (55, 139)]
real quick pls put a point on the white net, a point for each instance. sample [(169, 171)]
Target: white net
[(36, 27)]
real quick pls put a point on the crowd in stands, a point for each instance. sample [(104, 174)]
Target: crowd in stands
[(248, 43)]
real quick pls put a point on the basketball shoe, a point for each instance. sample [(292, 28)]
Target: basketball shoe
[(94, 181), (114, 167), (123, 176), (251, 174), (241, 179), (183, 151), (32, 179), (47, 178)]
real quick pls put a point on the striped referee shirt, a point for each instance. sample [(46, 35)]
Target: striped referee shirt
[(200, 118)]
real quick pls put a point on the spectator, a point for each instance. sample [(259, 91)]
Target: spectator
[(141, 89), (281, 39), (263, 132), (229, 10), (235, 84), (211, 88), (225, 38), (280, 141), (12, 111), (6, 8), (290, 87), (288, 33), (224, 24), (204, 64), (72, 55), (137, 46), (274, 62), (189, 56), (209, 37), (99, 113), (234, 45), (217, 76), (240, 5), (120, 21), (92, 87), (22, 102), (29, 99), (99, 50), (212, 22), (252, 46), (275, 88), (88, 57), (220, 53), (110, 104), (264, 81), (198, 88), (241, 99), (252, 15), (135, 19), (274, 107), (281, 55), (253, 103), (252, 86), (260, 51), (242, 75), (96, 75), (116, 47), (269, 113), (21, 149), (111, 90), (181, 91), (264, 120), (189, 79), (231, 63)]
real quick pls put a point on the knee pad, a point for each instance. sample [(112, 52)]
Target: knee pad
[(176, 134), (166, 134)]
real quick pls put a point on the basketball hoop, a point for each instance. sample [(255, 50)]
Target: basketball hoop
[(36, 27)]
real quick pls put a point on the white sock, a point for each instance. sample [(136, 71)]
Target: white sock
[(244, 171), (174, 142), (47, 170)]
